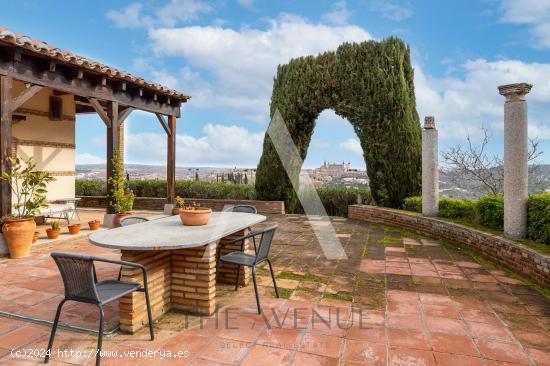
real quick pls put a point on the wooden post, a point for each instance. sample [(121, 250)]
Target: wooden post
[(6, 109), (113, 145), (171, 161)]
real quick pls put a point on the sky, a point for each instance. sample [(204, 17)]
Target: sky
[(224, 53)]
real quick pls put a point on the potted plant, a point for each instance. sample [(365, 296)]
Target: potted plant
[(195, 215), (29, 189), (53, 231), (74, 229), (122, 199), (94, 224), (180, 203)]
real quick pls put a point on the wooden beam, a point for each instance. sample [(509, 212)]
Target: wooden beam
[(171, 161), (85, 87), (163, 123), (25, 95), (113, 145), (6, 109), (100, 111), (124, 114)]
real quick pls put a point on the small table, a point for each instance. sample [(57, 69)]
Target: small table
[(180, 262), (72, 203)]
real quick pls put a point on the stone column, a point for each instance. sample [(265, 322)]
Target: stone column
[(515, 159), (430, 168)]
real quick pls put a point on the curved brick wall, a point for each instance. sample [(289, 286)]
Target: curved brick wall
[(517, 257)]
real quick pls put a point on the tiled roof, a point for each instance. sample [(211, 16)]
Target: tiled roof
[(45, 49)]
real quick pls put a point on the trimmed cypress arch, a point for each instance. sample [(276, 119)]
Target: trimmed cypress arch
[(371, 85)]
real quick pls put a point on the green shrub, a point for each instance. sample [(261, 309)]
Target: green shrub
[(86, 187), (456, 208), (489, 211), (538, 218), (413, 204)]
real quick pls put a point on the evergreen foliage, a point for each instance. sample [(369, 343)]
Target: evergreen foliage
[(371, 85)]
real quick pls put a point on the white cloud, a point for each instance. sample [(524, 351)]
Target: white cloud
[(391, 10), (319, 144), (220, 145), (533, 13), (352, 145), (339, 15), (89, 159), (462, 105), (171, 14), (243, 62)]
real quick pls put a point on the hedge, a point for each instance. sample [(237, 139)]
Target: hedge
[(538, 218), (488, 211), (335, 200)]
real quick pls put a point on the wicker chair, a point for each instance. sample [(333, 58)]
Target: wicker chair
[(131, 220), (248, 260), (81, 285), (241, 208)]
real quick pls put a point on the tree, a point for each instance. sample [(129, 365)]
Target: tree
[(472, 163), (371, 85)]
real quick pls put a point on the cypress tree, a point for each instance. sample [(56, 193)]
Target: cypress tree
[(371, 85)]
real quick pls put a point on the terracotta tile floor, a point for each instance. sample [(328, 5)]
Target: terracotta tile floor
[(397, 300)]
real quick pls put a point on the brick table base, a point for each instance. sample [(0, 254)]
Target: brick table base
[(183, 279)]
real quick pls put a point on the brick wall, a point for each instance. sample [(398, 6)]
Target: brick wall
[(513, 255), (151, 203)]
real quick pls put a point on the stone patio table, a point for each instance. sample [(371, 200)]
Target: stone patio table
[(180, 262)]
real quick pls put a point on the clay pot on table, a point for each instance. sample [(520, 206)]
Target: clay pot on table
[(195, 217)]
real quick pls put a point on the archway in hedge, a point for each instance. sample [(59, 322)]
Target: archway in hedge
[(371, 85)]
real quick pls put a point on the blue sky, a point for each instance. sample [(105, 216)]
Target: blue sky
[(225, 52)]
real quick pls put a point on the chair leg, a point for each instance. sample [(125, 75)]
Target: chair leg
[(100, 336), (256, 290), (273, 277), (237, 280), (149, 314), (54, 329)]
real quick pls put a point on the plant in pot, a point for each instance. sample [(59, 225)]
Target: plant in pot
[(195, 215), (74, 229), (122, 199), (94, 224), (29, 190), (53, 231), (180, 203)]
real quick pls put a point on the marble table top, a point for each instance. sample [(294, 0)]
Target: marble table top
[(168, 233)]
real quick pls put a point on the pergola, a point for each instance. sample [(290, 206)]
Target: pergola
[(97, 88)]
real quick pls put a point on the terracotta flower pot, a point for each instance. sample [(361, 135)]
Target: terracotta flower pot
[(74, 229), (119, 216), (18, 235), (196, 217), (35, 237), (94, 224), (176, 210), (53, 234)]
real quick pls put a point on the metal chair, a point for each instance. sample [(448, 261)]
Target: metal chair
[(248, 260), (241, 208), (81, 285), (131, 220)]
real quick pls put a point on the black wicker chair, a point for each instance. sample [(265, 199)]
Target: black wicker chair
[(81, 285), (248, 260), (131, 220), (241, 208)]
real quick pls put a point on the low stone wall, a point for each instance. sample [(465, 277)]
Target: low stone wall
[(513, 255), (153, 203)]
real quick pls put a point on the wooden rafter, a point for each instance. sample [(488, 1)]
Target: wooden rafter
[(124, 114), (25, 95), (100, 111)]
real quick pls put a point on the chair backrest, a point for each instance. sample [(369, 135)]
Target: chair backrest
[(265, 243), (131, 220), (241, 208), (78, 274)]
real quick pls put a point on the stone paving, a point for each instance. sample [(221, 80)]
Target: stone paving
[(398, 299)]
